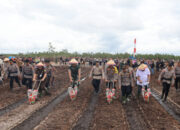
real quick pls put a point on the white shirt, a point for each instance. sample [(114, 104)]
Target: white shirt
[(143, 75)]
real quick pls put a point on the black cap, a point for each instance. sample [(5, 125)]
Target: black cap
[(47, 61), (27, 60), (170, 64)]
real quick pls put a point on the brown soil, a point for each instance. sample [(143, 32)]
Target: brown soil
[(8, 97), (173, 94), (66, 114), (136, 115), (109, 116)]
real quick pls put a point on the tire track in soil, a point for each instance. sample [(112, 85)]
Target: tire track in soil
[(167, 106), (67, 113), (36, 117), (12, 106), (158, 117), (21, 99), (154, 115), (108, 116), (84, 122), (173, 94), (135, 116), (9, 97)]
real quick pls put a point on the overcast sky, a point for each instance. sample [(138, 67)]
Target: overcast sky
[(90, 25)]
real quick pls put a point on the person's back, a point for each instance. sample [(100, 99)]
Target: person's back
[(177, 71), (27, 71)]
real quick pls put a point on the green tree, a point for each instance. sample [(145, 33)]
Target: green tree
[(51, 48)]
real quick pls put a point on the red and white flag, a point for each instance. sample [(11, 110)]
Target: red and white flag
[(134, 47), (135, 41)]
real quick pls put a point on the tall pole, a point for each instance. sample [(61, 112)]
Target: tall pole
[(134, 47)]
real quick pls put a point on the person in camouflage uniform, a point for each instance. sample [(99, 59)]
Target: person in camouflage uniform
[(40, 77)]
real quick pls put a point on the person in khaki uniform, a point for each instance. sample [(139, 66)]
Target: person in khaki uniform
[(167, 78), (97, 74), (177, 73), (125, 83), (13, 73)]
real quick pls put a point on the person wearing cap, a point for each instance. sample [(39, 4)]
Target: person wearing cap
[(97, 74), (167, 78), (13, 73), (143, 77), (27, 74), (74, 71), (111, 74), (40, 76), (177, 72)]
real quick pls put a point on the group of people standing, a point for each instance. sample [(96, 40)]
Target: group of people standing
[(115, 75), (128, 77), (28, 73)]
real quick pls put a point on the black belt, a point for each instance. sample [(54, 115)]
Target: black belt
[(97, 74), (13, 72), (28, 74), (167, 79)]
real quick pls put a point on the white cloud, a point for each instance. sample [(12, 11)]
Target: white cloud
[(90, 26)]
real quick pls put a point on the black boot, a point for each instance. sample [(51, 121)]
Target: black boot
[(47, 91), (162, 95), (164, 100)]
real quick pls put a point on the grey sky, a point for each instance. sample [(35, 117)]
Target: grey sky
[(90, 25)]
